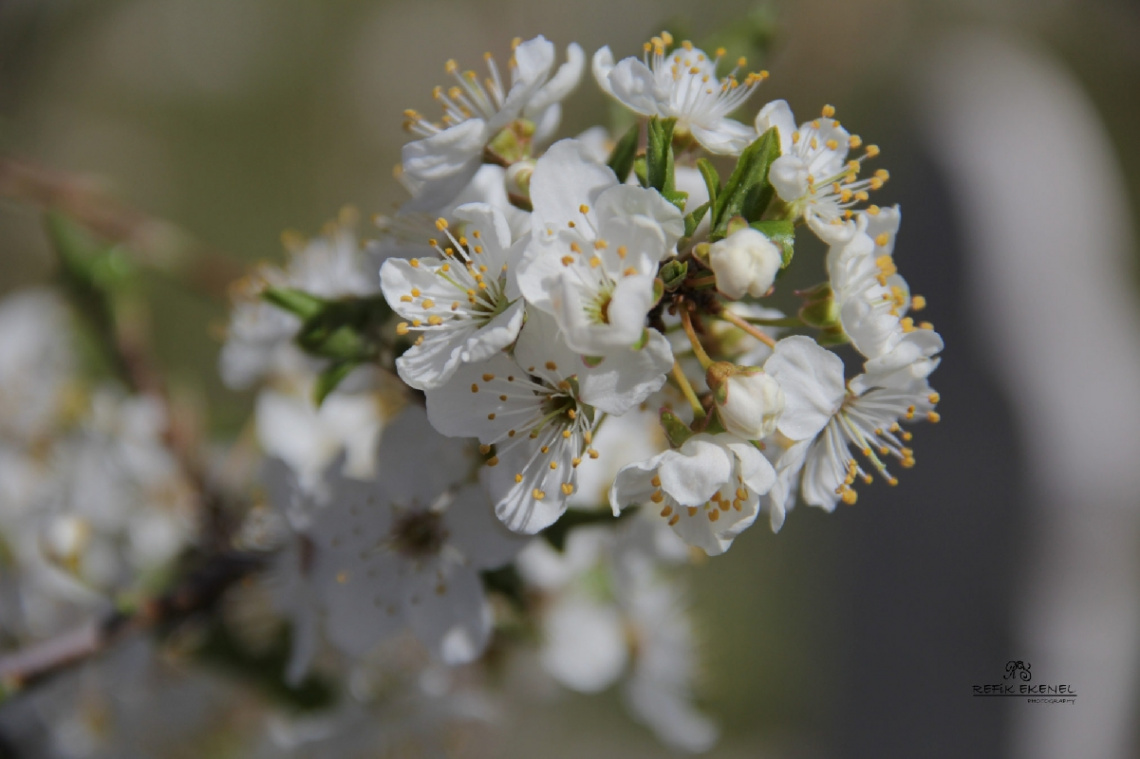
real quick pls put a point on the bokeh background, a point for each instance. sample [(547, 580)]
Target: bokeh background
[(1009, 128)]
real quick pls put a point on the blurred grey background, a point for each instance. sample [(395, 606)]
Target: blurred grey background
[(1009, 131)]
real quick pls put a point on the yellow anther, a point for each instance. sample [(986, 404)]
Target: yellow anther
[(441, 223), (655, 481), (402, 328), (553, 464), (657, 496), (491, 416), (572, 413), (692, 510), (574, 462), (435, 320), (934, 397), (575, 248), (538, 494), (518, 477), (493, 461), (828, 111), (933, 417), (854, 141), (567, 260), (917, 303), (566, 434), (595, 262), (428, 303), (417, 322), (484, 449), (795, 138), (883, 239), (545, 449), (832, 145), (850, 496), (415, 263), (567, 488), (742, 61), (674, 519), (550, 365), (622, 251), (415, 292), (593, 453), (474, 387), (667, 510), (503, 398), (583, 208), (872, 151), (406, 299)]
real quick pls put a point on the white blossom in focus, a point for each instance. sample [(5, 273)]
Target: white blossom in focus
[(436, 167), (708, 491), (819, 408), (812, 174), (464, 305), (748, 401), (682, 84), (594, 250)]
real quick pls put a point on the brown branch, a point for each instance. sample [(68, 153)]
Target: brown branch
[(155, 244), (197, 593)]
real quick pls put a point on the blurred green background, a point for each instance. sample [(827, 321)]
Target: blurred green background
[(238, 119)]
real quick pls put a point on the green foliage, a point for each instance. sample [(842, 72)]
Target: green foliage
[(747, 192), (263, 667), (676, 430), (345, 331), (673, 274), (624, 153), (781, 232)]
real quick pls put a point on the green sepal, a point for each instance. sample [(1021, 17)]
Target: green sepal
[(658, 290), (641, 171), (296, 302), (659, 156), (747, 192), (676, 430), (781, 232), (693, 220), (819, 309), (593, 362), (833, 335), (711, 177), (330, 378), (673, 274), (624, 153), (513, 143), (677, 198)]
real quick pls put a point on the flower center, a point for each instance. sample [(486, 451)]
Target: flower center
[(418, 534)]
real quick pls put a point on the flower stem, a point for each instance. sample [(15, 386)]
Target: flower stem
[(790, 321), (728, 316), (698, 349), (690, 394), (702, 282)]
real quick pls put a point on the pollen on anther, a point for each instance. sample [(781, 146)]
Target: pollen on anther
[(474, 387), (568, 488), (518, 477), (538, 494)]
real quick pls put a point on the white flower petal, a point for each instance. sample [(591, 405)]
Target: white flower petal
[(812, 380)]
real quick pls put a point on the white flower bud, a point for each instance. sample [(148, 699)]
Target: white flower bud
[(517, 178), (748, 400), (744, 262)]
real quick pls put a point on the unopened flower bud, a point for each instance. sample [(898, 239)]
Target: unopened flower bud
[(518, 178), (745, 262), (748, 400)]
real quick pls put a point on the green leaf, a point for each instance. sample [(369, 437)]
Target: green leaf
[(747, 192), (294, 301), (624, 153), (711, 177), (781, 232), (330, 378), (344, 330), (676, 430), (659, 155), (693, 220)]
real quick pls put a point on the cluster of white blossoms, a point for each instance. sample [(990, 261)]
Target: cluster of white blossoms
[(564, 367), (542, 298), (528, 337)]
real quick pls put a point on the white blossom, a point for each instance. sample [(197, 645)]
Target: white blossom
[(436, 167), (405, 550), (820, 409), (464, 304), (538, 411), (682, 84), (594, 250), (812, 174), (708, 491)]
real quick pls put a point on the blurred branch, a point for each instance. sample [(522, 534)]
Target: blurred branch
[(198, 592), (154, 244)]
